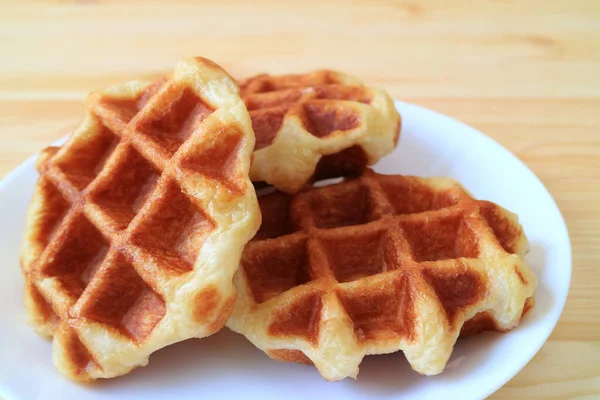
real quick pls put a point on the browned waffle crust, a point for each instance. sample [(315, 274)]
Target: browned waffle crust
[(138, 222), (376, 265), (318, 125)]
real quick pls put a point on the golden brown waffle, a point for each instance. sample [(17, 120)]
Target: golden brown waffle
[(315, 126), (138, 222), (376, 265)]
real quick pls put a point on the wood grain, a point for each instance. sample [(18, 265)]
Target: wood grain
[(527, 73)]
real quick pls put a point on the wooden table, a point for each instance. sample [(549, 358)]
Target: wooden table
[(527, 73)]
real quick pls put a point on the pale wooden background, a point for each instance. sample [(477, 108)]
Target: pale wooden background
[(527, 73)]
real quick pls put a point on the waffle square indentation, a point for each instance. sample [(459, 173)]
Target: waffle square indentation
[(120, 298), (276, 219), (381, 310), (284, 98), (175, 230), (506, 231), (54, 210), (171, 124), (456, 288), (349, 205), (123, 193), (283, 266), (266, 124), (409, 195), (343, 92), (84, 156), (217, 160), (441, 238), (80, 253), (300, 319), (322, 118), (125, 109), (359, 254)]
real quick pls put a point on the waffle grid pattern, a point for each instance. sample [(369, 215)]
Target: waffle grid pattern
[(376, 265), (122, 212), (340, 125)]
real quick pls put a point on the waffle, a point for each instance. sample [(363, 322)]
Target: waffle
[(138, 222), (316, 126), (376, 265)]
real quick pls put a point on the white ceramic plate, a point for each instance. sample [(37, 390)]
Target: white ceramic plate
[(227, 366)]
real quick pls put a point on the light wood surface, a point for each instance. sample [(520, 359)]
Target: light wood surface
[(527, 73)]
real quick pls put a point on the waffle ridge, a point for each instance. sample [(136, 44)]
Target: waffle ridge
[(133, 230), (318, 125), (376, 265)]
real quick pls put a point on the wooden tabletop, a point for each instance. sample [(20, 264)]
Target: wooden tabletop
[(527, 73)]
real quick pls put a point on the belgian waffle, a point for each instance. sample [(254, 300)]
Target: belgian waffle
[(376, 265), (138, 222), (316, 126)]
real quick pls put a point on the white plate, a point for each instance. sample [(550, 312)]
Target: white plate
[(227, 366)]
